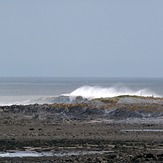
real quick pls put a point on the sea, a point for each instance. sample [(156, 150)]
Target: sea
[(31, 90)]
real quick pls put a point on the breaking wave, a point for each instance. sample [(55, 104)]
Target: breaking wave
[(91, 92), (86, 92)]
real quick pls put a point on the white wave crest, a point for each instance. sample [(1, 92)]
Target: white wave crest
[(91, 92)]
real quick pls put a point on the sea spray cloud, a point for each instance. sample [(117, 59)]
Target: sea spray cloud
[(91, 92)]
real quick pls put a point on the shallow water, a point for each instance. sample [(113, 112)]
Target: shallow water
[(158, 120), (49, 154), (143, 130)]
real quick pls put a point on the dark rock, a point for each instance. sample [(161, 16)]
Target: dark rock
[(124, 113)]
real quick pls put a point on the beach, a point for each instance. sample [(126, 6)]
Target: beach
[(102, 130)]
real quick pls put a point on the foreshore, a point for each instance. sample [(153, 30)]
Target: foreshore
[(103, 130)]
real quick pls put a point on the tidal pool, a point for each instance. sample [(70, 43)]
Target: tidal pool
[(49, 154), (143, 130)]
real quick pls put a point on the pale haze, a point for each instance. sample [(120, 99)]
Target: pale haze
[(81, 38)]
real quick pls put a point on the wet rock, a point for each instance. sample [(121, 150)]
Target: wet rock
[(160, 157), (145, 157), (80, 109), (123, 113)]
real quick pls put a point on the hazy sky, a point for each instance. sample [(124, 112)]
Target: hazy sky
[(109, 38)]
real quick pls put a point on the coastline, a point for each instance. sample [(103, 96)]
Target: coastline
[(94, 125)]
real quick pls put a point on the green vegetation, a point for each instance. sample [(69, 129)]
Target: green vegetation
[(114, 100), (140, 97)]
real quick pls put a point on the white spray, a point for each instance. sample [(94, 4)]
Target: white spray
[(91, 92)]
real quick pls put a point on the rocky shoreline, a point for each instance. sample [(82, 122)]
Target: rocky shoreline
[(129, 129)]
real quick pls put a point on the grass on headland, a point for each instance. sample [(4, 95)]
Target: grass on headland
[(115, 99)]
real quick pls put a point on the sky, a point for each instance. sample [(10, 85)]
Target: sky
[(81, 38)]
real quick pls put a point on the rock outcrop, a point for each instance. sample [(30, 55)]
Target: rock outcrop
[(82, 109)]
